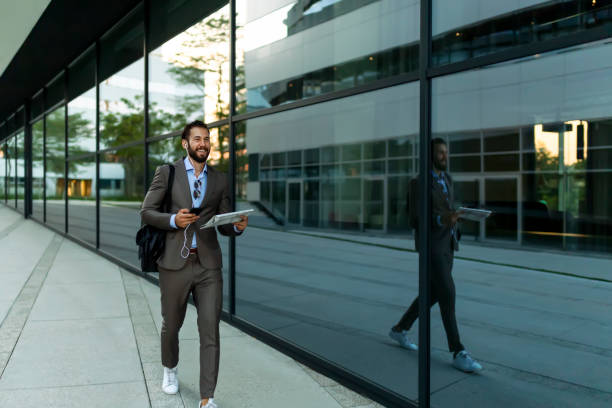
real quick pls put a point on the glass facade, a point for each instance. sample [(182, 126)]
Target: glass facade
[(38, 170), (122, 83), (535, 135), (55, 165), (189, 75), (324, 142), (289, 279), (479, 27), (288, 51)]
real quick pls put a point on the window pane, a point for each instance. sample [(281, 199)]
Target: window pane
[(375, 150), (587, 202), (501, 142), (38, 176), (544, 122), (464, 143), (306, 299), (164, 152), (55, 178), (189, 75), (402, 146), (501, 162), (82, 199), (351, 152), (121, 195), (122, 85), (374, 167), (20, 159), (397, 202), (462, 32), (82, 124), (467, 163), (294, 158), (400, 166), (11, 171), (304, 49), (311, 156), (3, 171)]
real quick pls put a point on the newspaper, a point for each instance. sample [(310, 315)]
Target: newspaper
[(226, 218), (474, 214)]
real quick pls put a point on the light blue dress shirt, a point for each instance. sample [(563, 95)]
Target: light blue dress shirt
[(203, 177), (440, 180), (195, 203)]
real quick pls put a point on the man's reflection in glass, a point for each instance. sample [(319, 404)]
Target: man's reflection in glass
[(444, 241)]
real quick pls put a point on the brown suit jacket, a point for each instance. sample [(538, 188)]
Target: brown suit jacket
[(216, 201), (442, 240)]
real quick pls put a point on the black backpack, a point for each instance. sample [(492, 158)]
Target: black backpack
[(151, 240)]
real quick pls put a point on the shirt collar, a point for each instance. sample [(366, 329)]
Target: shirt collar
[(435, 176), (189, 166)]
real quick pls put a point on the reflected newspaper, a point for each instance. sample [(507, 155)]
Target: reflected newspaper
[(474, 214), (227, 218)]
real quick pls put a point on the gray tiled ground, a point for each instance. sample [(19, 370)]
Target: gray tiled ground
[(124, 395), (73, 352), (80, 301)]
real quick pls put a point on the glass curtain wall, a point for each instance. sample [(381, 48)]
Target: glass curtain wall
[(81, 188), (122, 170), (188, 68), (3, 171), (20, 170), (11, 170), (530, 140), (38, 170), (323, 166), (55, 159), (289, 51), (462, 31)]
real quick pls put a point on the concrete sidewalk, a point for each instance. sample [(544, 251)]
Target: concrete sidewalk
[(79, 331)]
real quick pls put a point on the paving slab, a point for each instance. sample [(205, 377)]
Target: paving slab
[(124, 395), (73, 352), (252, 375), (80, 301)]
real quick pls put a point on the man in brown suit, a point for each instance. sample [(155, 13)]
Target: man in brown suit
[(444, 241), (191, 262)]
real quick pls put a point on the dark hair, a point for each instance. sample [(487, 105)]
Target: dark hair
[(436, 141), (191, 125)]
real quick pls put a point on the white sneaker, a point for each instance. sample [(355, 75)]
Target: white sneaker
[(464, 362), (209, 404), (170, 384)]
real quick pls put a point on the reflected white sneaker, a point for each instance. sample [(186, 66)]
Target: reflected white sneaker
[(209, 404), (464, 362), (402, 338), (170, 384)]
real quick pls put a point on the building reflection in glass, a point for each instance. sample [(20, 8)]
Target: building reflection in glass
[(189, 76)]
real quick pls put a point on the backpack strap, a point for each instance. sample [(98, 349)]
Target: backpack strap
[(168, 195)]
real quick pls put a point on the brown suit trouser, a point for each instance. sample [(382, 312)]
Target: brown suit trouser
[(443, 293), (206, 285)]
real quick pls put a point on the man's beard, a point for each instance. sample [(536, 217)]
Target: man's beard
[(194, 155), (440, 165)]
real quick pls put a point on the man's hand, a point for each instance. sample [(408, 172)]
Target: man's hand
[(184, 218), (242, 224), (451, 218)]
